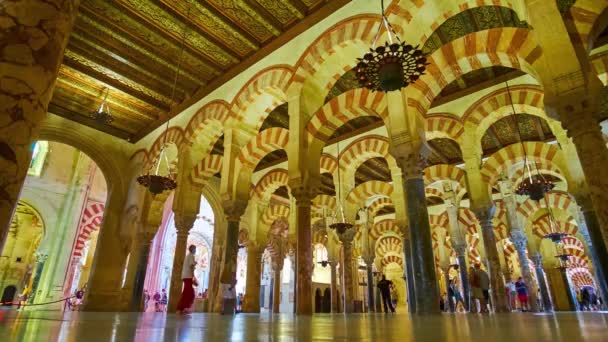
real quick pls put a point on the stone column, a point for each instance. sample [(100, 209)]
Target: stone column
[(446, 273), (542, 283), (233, 210), (520, 241), (142, 253), (304, 298), (369, 262), (409, 274), (38, 32), (596, 249), (425, 279), (347, 271), (183, 225), (498, 291), (578, 111), (277, 267), (463, 270), (334, 287), (254, 274), (572, 302)]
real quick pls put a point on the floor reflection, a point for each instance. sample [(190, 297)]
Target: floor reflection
[(152, 327)]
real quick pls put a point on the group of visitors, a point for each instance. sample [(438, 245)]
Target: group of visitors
[(160, 301), (588, 300), (75, 302)]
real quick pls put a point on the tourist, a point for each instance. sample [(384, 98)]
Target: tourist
[(480, 285), (385, 290), (146, 300), (187, 298), (455, 292), (585, 299), (163, 301), (522, 294), (156, 298), (204, 295), (511, 294), (229, 298), (78, 300)]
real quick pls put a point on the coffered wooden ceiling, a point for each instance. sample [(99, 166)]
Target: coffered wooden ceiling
[(132, 47)]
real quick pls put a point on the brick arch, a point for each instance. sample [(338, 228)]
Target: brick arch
[(363, 149), (509, 249), (543, 167), (274, 212), (573, 242), (386, 226), (441, 172), (439, 221), (328, 163), (267, 141), (90, 222), (334, 52), (578, 261), (443, 125), (269, 183), (352, 104), (542, 226), (498, 162), (217, 111), (586, 15), (378, 204), (501, 231), (530, 95), (509, 47), (173, 135), (205, 169), (368, 189), (467, 218), (427, 17), (387, 244), (392, 259), (324, 201), (581, 276), (554, 200), (433, 192), (260, 95)]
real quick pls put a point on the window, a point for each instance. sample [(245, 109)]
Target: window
[(39, 152)]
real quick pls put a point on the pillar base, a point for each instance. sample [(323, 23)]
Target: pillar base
[(104, 302)]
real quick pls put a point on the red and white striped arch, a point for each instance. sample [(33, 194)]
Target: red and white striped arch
[(324, 201), (363, 191), (265, 142), (173, 135), (500, 161), (90, 222), (216, 112), (554, 200), (341, 109), (274, 212), (467, 219), (383, 227), (328, 164), (392, 259), (542, 227), (581, 276), (262, 93), (487, 110), (573, 242), (442, 172), (586, 14), (205, 169), (543, 166), (269, 183), (388, 244), (443, 125), (363, 149), (378, 204), (509, 47), (439, 221)]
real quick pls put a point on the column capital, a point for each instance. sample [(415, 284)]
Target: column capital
[(411, 159), (460, 249), (347, 237), (484, 214), (303, 191), (184, 222), (519, 239), (234, 209)]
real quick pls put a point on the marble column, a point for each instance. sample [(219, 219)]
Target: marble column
[(369, 262), (30, 59), (498, 291), (142, 251), (347, 271), (183, 225), (409, 274), (542, 283), (254, 275), (463, 270), (425, 278), (446, 275), (304, 298), (520, 241), (578, 112), (334, 287), (572, 302), (588, 227)]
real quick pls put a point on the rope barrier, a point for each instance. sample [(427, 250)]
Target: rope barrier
[(17, 302)]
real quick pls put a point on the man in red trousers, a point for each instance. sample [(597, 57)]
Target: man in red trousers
[(187, 297)]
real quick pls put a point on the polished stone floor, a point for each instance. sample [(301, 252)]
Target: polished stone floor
[(150, 327)]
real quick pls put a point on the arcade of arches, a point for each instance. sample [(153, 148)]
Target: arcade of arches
[(265, 154)]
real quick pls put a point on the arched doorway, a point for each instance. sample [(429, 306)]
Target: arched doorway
[(8, 295)]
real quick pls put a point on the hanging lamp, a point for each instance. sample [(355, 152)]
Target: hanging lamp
[(339, 225), (553, 235), (391, 66), (533, 185), (103, 114), (155, 182)]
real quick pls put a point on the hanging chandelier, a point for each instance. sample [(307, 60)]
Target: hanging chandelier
[(155, 182), (562, 256), (339, 225), (102, 114), (554, 234), (391, 66), (533, 185)]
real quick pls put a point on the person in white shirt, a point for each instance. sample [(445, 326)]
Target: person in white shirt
[(229, 298), (187, 297)]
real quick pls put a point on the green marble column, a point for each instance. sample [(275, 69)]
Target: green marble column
[(542, 283), (520, 241), (409, 274), (463, 270), (347, 270), (143, 252)]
